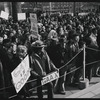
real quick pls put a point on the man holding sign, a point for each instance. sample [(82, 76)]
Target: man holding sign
[(41, 65)]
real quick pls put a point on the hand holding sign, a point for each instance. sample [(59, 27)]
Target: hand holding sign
[(50, 77), (44, 74)]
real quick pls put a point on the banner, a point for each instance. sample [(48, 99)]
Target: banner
[(4, 15), (50, 77), (34, 26), (21, 16), (21, 74)]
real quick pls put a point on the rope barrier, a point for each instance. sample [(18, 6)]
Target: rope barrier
[(41, 85), (64, 75), (92, 62), (59, 68), (72, 71), (36, 79), (71, 59), (69, 72), (92, 49)]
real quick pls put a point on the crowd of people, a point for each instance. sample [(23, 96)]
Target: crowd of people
[(60, 38)]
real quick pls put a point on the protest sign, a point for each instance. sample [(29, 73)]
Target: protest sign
[(34, 26), (33, 17), (21, 74), (21, 16), (4, 15), (50, 77)]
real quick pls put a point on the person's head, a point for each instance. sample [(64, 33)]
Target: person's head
[(94, 31), (78, 30), (19, 32), (74, 36), (1, 40), (6, 43), (21, 51), (54, 41), (69, 27), (62, 41), (61, 31), (43, 28)]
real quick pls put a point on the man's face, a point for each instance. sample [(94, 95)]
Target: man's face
[(7, 45), (95, 32), (22, 53), (77, 38)]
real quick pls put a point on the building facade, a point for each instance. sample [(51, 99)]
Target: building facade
[(66, 7)]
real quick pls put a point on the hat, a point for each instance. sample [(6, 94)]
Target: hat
[(38, 44)]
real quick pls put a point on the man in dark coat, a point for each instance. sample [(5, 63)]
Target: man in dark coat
[(73, 49), (41, 65), (61, 59)]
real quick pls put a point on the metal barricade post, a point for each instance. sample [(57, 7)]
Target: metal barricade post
[(84, 83), (84, 62)]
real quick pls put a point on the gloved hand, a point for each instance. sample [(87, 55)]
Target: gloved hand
[(44, 74), (57, 70)]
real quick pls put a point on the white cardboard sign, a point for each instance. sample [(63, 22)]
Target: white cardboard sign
[(34, 26), (21, 74), (21, 16), (4, 15), (50, 77)]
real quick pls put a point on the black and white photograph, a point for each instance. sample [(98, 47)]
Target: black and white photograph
[(49, 50)]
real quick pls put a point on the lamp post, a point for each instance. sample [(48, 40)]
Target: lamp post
[(84, 62), (16, 8)]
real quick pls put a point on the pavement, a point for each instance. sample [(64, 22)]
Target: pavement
[(92, 91)]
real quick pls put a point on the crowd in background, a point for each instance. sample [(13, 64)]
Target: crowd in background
[(63, 35)]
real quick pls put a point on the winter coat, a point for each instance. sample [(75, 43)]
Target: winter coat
[(40, 65)]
